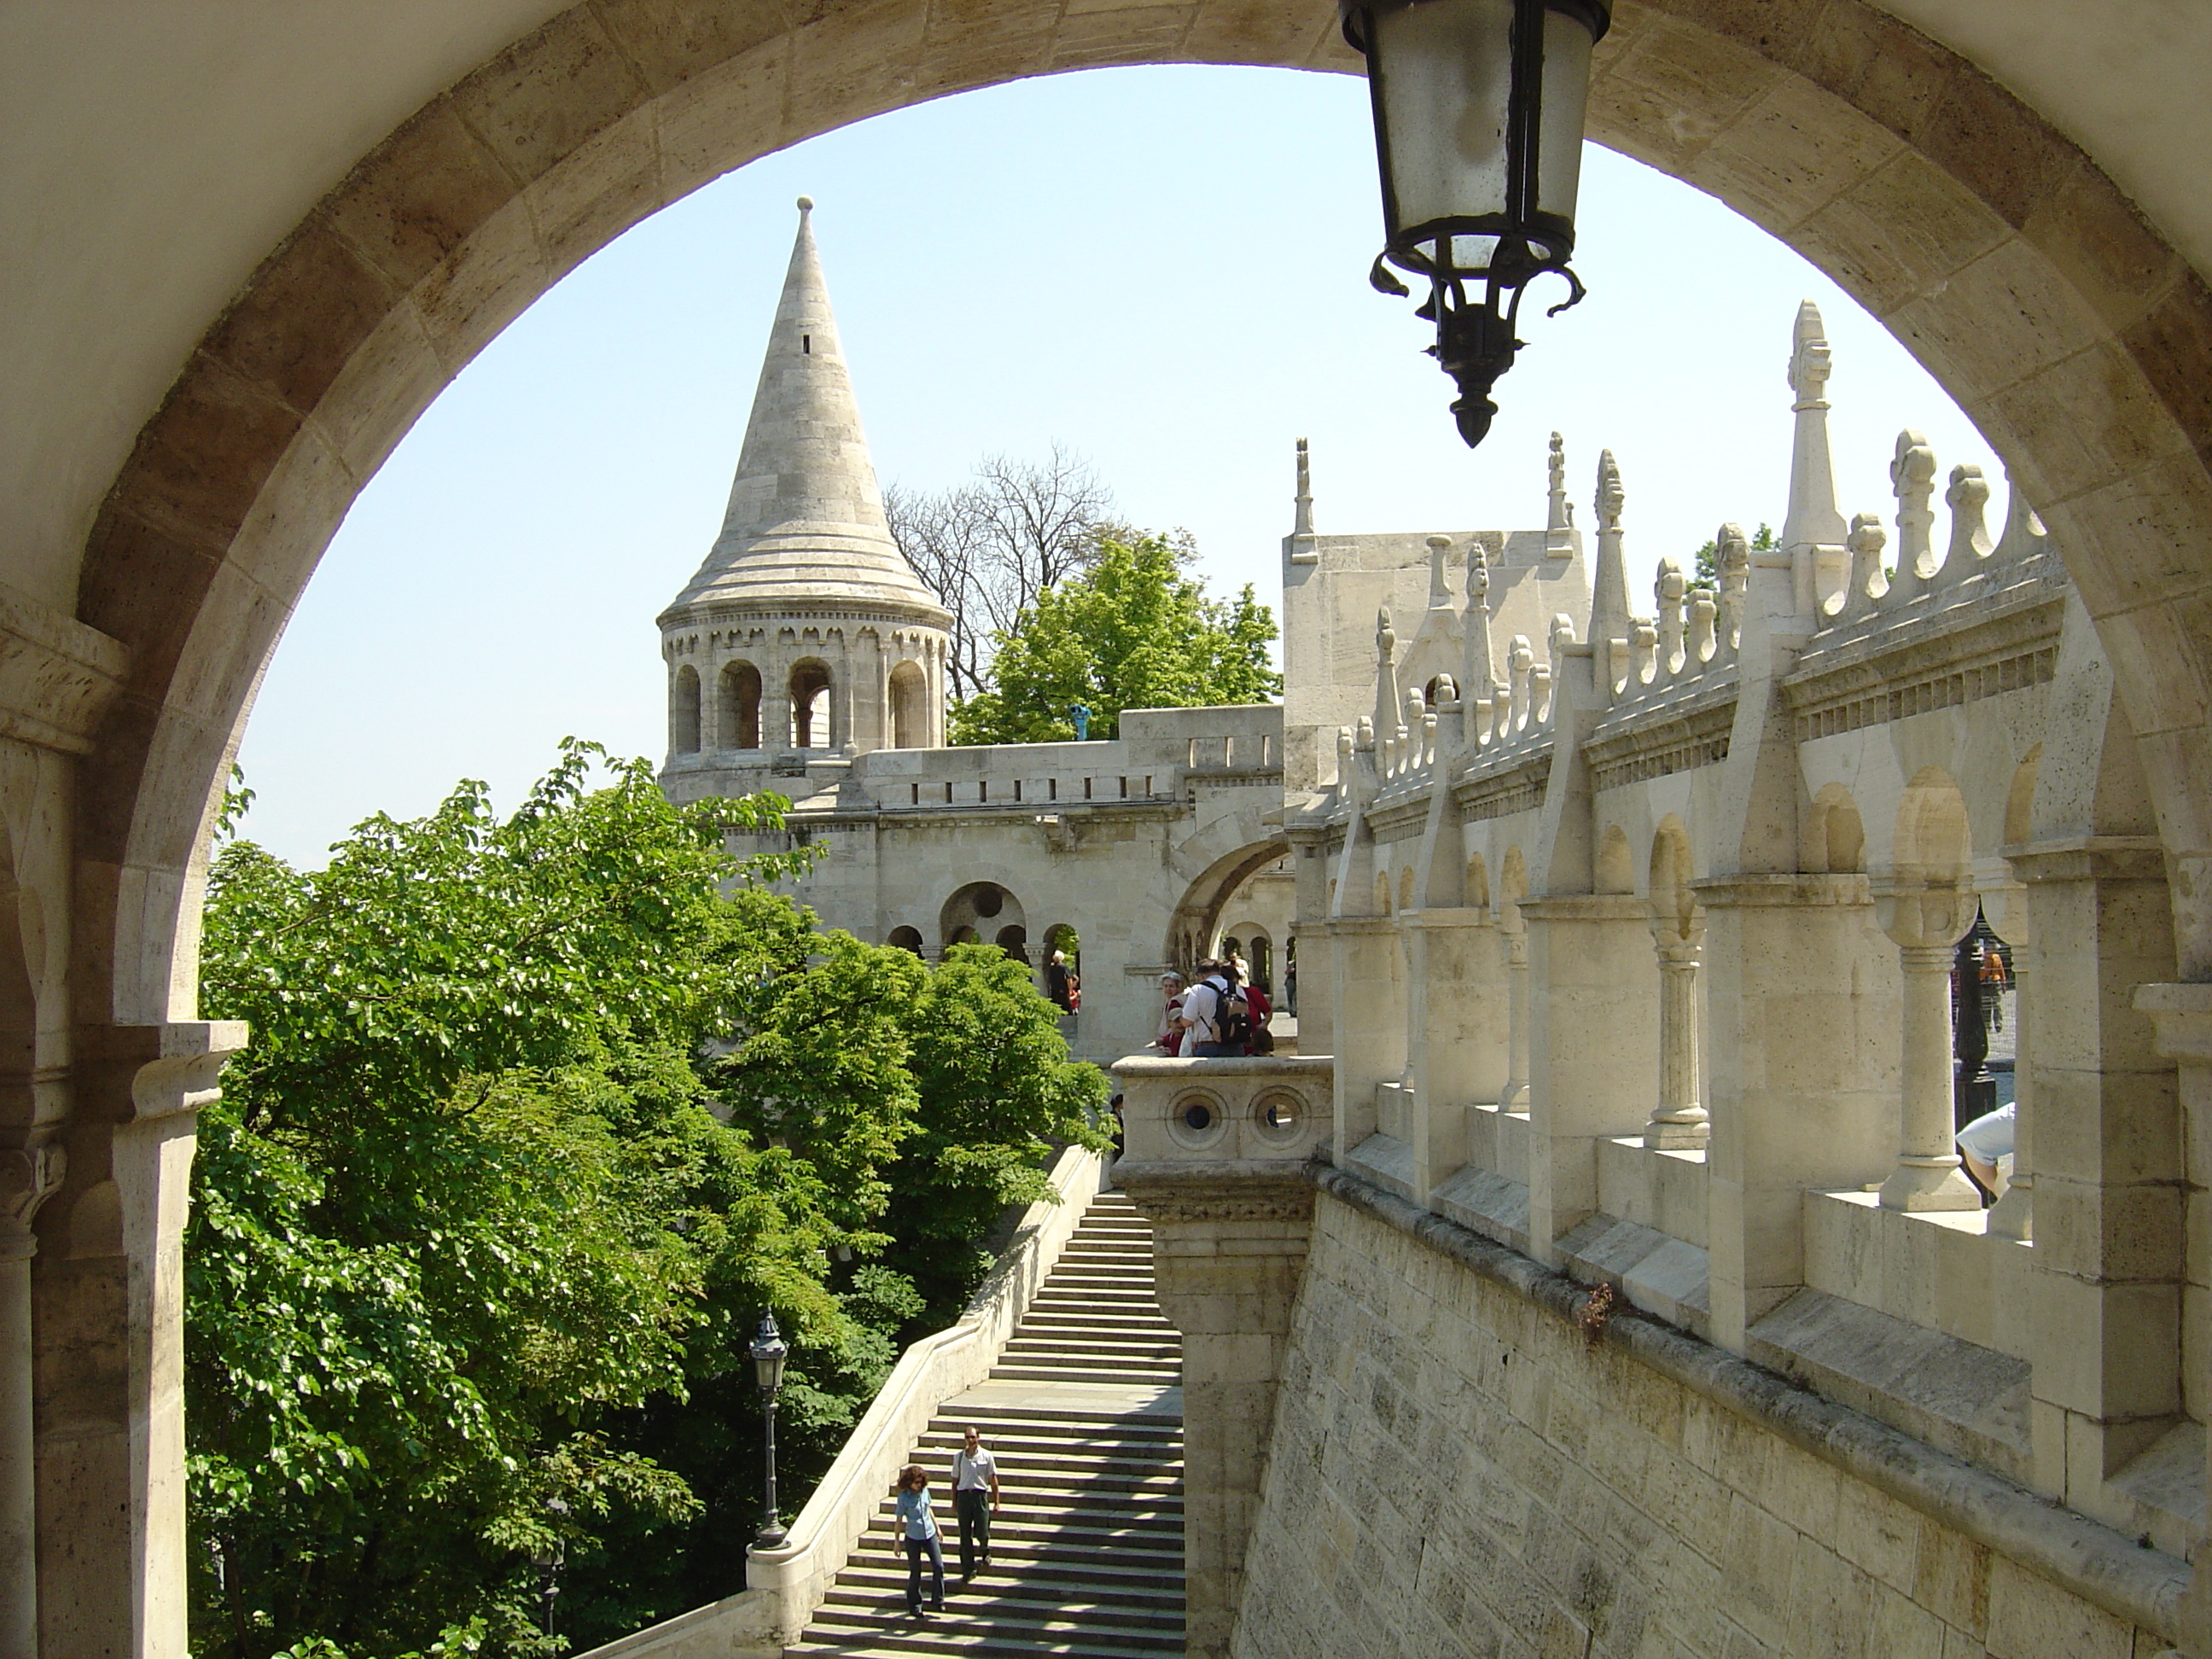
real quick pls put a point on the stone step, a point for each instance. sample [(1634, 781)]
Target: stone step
[(1087, 1544), (858, 1639), (1063, 1583)]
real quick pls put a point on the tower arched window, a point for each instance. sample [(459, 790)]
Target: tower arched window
[(809, 705), (909, 708), (683, 712), (741, 707)]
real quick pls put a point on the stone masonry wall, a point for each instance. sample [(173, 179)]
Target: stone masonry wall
[(1456, 1471)]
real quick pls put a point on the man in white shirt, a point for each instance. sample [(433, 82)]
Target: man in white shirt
[(975, 1500), (1204, 1008)]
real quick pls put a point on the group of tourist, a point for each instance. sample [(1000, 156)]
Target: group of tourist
[(1220, 1015), (974, 1501)]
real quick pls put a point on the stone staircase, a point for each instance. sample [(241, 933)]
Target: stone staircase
[(1085, 1412)]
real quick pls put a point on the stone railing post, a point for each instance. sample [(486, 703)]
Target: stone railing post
[(1926, 919), (1455, 988), (1215, 1153), (1593, 1000), (1366, 973), (1800, 1077)]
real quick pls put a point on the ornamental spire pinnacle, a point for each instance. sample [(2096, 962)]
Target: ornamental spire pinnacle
[(805, 518)]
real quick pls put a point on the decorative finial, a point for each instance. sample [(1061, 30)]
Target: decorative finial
[(1439, 584), (1386, 637), (1808, 357), (1611, 499), (1478, 574), (1558, 463), (806, 205)]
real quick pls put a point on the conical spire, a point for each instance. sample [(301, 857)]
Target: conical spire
[(806, 520)]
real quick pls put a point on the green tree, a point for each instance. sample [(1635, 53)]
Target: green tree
[(1130, 631), (1708, 571), (540, 1115)]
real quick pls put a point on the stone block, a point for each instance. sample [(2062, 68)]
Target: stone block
[(1899, 234), (2030, 1617), (1951, 1579), (1790, 153), (485, 285), (2107, 1351), (547, 94)]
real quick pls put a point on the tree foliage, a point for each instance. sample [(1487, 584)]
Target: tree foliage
[(538, 1115), (1132, 631)]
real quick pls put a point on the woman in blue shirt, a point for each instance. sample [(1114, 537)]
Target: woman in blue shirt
[(918, 1523)]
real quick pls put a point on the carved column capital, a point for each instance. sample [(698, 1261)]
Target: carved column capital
[(1923, 914), (29, 1176)]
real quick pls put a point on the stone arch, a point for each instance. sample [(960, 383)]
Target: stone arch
[(1382, 893), (1014, 940), (1195, 922), (909, 708), (1613, 870), (1834, 841), (1934, 843), (739, 706), (683, 711), (813, 723), (982, 909), (478, 201), (905, 938)]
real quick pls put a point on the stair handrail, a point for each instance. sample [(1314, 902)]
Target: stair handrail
[(785, 1585)]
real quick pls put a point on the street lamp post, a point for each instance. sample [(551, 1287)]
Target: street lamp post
[(1478, 108), (769, 1351)]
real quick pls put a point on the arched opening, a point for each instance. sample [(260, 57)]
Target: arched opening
[(1478, 883), (1014, 940), (909, 708), (1835, 836), (740, 706), (683, 711), (1615, 871), (905, 938), (1252, 885), (811, 726), (983, 910)]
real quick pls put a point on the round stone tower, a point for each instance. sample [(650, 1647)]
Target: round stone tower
[(806, 635)]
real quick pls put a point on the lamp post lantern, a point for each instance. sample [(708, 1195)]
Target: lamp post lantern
[(769, 1351), (1478, 110)]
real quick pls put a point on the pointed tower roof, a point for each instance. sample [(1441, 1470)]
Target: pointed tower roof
[(805, 523)]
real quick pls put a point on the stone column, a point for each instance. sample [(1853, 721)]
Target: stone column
[(2119, 1150), (1456, 992), (842, 737), (1513, 1096), (28, 1176), (1230, 1246), (1365, 961), (1926, 920), (1801, 1076), (1593, 1000), (107, 1297), (1678, 1121)]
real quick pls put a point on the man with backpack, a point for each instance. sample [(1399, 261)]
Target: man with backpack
[(1214, 1016)]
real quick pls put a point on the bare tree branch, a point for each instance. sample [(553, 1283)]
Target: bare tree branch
[(989, 547)]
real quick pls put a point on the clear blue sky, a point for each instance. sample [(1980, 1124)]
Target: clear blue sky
[(1164, 268)]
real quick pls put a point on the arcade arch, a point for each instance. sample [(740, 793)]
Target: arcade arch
[(683, 712), (740, 707), (985, 910), (2014, 267), (1194, 927), (811, 726)]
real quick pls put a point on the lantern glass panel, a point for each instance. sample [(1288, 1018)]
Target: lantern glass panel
[(1443, 73), (1567, 46)]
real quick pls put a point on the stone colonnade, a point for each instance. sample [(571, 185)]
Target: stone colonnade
[(865, 704)]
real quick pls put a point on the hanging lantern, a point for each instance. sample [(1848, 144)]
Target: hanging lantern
[(1479, 127)]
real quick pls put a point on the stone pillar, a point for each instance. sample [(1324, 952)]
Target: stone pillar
[(107, 1300), (1230, 1247), (1927, 920), (843, 737), (1365, 963), (1593, 1000), (2116, 1155), (1513, 1096), (2013, 1215), (1456, 990), (2182, 1018), (27, 1177), (1801, 1076), (1678, 1121)]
